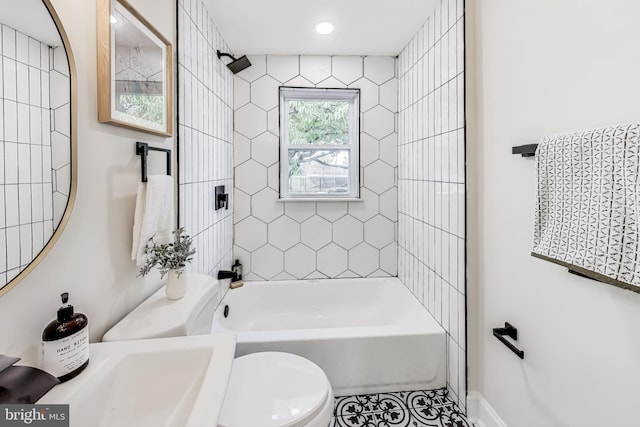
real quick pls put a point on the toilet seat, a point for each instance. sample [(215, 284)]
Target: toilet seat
[(275, 389)]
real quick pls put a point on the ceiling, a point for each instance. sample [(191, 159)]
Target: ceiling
[(285, 27), (32, 18)]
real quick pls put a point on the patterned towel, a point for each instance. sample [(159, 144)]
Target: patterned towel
[(588, 203)]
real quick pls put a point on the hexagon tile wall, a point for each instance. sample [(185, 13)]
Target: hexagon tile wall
[(294, 240)]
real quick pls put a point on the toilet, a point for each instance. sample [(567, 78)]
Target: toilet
[(268, 389)]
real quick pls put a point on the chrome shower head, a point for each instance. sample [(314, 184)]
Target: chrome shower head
[(236, 65)]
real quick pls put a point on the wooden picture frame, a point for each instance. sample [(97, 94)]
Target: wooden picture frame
[(134, 70)]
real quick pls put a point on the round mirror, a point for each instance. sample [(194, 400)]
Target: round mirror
[(37, 134)]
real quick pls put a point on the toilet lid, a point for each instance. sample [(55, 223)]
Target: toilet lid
[(273, 389)]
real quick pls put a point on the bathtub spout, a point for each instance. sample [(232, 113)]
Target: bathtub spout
[(225, 274)]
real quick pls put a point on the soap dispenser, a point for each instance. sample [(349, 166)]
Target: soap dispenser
[(237, 270), (65, 343), (237, 275)]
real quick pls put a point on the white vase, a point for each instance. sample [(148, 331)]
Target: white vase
[(176, 284)]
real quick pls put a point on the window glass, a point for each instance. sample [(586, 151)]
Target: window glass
[(319, 143)]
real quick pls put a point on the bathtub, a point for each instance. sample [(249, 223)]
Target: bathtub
[(368, 335)]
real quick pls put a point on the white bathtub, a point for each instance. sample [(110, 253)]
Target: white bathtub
[(368, 335)]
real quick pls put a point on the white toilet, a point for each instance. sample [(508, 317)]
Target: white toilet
[(270, 389)]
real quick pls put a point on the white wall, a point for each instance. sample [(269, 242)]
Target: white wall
[(91, 258), (294, 240), (541, 67), (205, 126), (431, 178)]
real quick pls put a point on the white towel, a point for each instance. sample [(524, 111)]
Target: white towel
[(588, 203), (154, 215)]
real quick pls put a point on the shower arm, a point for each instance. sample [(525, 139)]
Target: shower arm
[(228, 55)]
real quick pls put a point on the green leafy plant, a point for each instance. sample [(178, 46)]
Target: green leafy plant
[(168, 256)]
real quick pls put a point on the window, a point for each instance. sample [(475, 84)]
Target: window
[(319, 143)]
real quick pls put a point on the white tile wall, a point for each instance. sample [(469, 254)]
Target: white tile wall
[(431, 178), (205, 137), (35, 185), (292, 240)]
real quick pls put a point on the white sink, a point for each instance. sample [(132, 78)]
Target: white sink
[(150, 383)]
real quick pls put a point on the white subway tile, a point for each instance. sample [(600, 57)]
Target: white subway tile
[(8, 42), (24, 203), (34, 53), (22, 83), (10, 78), (3, 221), (11, 162), (35, 125), (45, 55), (23, 123), (26, 241), (13, 241), (3, 256), (24, 163), (22, 48), (45, 127), (36, 203), (453, 365), (47, 205)]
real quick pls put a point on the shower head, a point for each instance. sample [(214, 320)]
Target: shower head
[(236, 65)]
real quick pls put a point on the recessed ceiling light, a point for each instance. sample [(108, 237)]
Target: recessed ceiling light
[(325, 28)]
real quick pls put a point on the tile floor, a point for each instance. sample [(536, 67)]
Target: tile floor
[(432, 408)]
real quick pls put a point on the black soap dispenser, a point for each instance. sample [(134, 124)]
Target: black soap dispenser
[(237, 275), (65, 343), (237, 270)]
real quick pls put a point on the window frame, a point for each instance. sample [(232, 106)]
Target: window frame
[(352, 96)]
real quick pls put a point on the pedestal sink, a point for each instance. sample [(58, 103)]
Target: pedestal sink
[(150, 383)]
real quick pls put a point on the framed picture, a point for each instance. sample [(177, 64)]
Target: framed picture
[(134, 70)]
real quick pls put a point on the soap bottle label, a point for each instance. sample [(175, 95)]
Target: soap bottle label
[(67, 354)]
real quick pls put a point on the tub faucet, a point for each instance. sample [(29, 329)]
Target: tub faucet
[(226, 274), (235, 275)]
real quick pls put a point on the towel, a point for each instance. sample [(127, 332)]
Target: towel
[(154, 215), (588, 203)]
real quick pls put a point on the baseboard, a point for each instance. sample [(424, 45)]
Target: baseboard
[(480, 413)]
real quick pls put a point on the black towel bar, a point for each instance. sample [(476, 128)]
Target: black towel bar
[(512, 333), (142, 149), (528, 150)]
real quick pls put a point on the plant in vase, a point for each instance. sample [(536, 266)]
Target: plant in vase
[(171, 259)]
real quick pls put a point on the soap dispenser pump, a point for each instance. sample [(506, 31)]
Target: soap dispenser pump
[(65, 343)]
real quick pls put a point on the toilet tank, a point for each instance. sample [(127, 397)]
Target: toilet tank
[(160, 317)]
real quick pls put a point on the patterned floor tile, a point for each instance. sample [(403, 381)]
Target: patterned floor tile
[(431, 408), (445, 416), (419, 399), (367, 403), (392, 418)]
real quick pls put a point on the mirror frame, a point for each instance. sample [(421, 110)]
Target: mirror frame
[(105, 84), (74, 157)]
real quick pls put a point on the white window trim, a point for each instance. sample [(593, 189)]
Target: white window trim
[(353, 97)]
